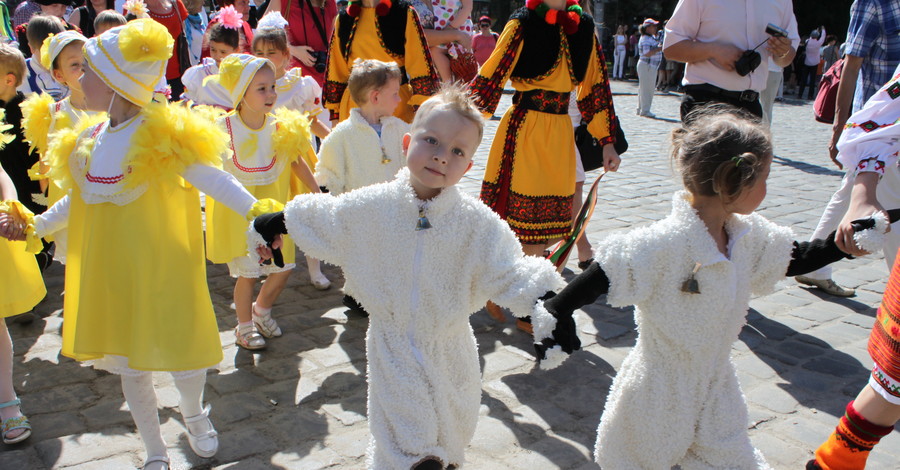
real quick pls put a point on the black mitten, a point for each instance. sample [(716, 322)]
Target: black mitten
[(270, 226)]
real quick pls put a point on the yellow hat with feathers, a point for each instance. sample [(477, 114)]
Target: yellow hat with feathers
[(55, 43), (131, 58), (236, 71)]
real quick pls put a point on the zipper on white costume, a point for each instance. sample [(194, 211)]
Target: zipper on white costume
[(414, 298)]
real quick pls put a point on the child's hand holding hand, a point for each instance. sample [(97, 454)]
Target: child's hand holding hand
[(11, 228), (265, 237)]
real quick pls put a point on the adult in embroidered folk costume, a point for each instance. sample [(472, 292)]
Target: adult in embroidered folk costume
[(136, 294), (385, 30), (548, 50)]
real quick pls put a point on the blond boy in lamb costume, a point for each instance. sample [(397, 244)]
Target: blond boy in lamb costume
[(447, 254)]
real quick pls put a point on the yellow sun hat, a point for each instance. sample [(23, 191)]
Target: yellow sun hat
[(236, 71), (132, 58), (55, 43)]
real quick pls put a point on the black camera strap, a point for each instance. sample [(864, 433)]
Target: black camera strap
[(319, 26)]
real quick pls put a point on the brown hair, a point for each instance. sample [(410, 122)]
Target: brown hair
[(274, 36), (368, 75), (108, 18), (217, 32), (720, 151), (41, 26), (12, 61), (453, 97)]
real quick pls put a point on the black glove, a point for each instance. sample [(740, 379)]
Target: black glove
[(565, 334), (270, 226)]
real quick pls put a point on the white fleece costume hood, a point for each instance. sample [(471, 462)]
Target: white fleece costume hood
[(419, 288), (676, 398)]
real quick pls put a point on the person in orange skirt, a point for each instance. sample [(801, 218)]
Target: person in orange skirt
[(548, 50), (870, 146), (385, 30)]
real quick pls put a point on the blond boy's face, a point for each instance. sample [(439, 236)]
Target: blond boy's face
[(439, 151)]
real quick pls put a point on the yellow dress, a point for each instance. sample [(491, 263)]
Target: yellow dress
[(22, 287), (530, 175), (400, 39), (266, 175), (136, 277)]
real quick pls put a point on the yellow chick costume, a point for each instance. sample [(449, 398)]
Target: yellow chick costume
[(260, 159), (22, 287), (136, 291), (43, 117)]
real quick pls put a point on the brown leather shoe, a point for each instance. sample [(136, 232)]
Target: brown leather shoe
[(495, 312)]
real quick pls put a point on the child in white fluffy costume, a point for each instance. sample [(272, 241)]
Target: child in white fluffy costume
[(676, 398), (448, 254), (133, 198)]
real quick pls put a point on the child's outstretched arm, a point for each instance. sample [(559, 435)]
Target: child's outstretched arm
[(302, 171)]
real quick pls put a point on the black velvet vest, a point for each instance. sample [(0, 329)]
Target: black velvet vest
[(541, 45)]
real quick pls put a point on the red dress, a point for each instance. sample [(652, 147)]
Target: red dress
[(175, 24), (302, 30)]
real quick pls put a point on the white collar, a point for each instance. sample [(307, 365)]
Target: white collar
[(700, 244)]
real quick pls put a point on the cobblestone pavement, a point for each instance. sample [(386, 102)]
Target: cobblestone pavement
[(301, 403)]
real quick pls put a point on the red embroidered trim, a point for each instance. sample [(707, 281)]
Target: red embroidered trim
[(234, 157), (487, 90), (101, 179)]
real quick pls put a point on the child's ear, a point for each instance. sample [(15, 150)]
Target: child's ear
[(10, 80), (407, 138), (57, 75)]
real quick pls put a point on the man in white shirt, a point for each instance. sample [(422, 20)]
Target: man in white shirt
[(711, 35), (809, 76)]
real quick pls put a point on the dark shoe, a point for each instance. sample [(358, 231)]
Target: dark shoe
[(582, 265), (352, 304), (812, 465)]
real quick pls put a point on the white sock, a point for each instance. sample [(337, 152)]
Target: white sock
[(245, 325), (314, 267), (261, 312), (141, 399)]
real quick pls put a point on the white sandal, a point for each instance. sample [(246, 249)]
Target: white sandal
[(249, 339), (157, 458), (265, 324), (203, 440)]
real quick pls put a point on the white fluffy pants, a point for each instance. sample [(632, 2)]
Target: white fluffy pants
[(141, 399), (646, 86), (888, 194), (767, 96), (619, 61)]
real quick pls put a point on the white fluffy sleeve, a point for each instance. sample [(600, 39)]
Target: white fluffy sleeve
[(631, 262), (509, 278), (772, 245), (314, 223), (331, 168)]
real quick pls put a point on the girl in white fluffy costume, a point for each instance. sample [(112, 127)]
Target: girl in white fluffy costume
[(676, 399), (448, 254), (136, 294), (266, 150)]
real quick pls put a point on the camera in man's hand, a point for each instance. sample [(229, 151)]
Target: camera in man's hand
[(748, 62), (321, 60)]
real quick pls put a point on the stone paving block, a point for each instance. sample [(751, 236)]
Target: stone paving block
[(772, 396), (107, 413), (779, 453), (243, 442), (319, 458), (20, 457), (70, 397), (53, 425), (76, 449), (238, 380), (240, 406)]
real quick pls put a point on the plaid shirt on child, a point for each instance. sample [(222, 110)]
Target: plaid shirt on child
[(872, 36)]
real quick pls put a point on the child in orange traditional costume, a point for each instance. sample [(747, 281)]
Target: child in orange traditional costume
[(133, 195), (383, 30), (870, 146)]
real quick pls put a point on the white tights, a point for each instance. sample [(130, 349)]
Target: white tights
[(141, 398)]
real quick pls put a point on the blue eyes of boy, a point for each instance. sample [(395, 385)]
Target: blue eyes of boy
[(456, 150)]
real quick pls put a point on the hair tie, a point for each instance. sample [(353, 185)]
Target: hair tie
[(737, 160)]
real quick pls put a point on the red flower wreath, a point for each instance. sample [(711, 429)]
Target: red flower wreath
[(569, 19), (355, 6)]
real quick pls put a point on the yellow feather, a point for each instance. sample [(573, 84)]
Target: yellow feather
[(169, 139), (36, 119), (292, 135), (63, 143)]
